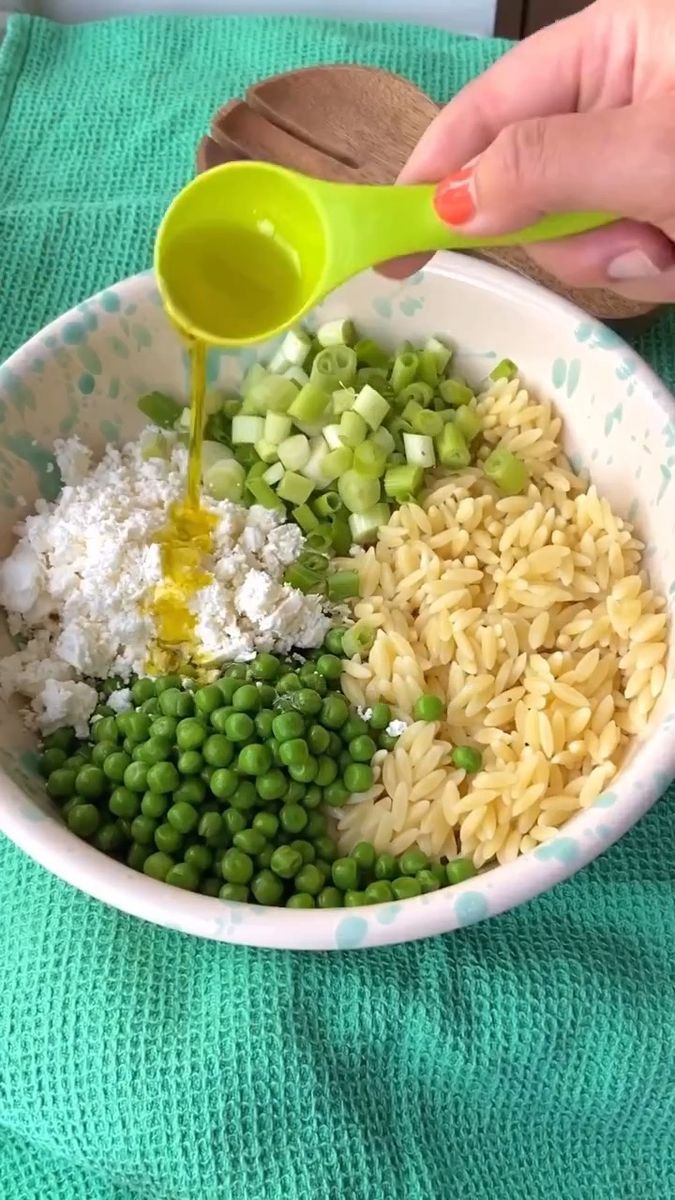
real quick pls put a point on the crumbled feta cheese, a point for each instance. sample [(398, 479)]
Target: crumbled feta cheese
[(79, 584), (66, 703), (396, 728), (120, 701), (365, 713)]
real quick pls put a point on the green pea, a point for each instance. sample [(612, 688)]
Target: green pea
[(90, 782), (295, 793), (183, 817), (105, 730), (427, 881), (362, 748), (325, 848), (246, 699), (288, 726), (313, 680), (254, 760), (345, 874), (265, 857), (344, 760), (330, 666), (354, 727), (385, 867), (307, 701), (428, 708), (101, 751), (288, 684), (143, 830), (136, 777), (227, 687), (405, 887), (413, 861), (223, 782), (158, 865), (234, 821), (466, 758), (358, 777), (153, 805), (380, 716), (334, 745), (304, 772), (210, 825), (326, 772), (272, 785), (387, 741), (162, 777), (293, 818), (245, 797), (164, 727), (123, 803), (364, 856), (190, 762), (460, 869), (83, 820), (266, 823), (251, 841), (265, 667), (190, 734), (305, 848), (108, 686), (115, 765), (155, 750), (334, 712), (313, 797), (175, 703), (236, 866), (439, 873), (60, 739), (301, 900), (333, 641), (219, 718), (234, 891), (263, 724), (137, 856), (77, 760), (355, 899), (318, 739), (211, 886), (51, 760), (142, 690), (267, 695), (309, 879), (239, 727), (151, 707), (191, 791), (329, 897), (109, 838), (218, 751), (294, 752), (316, 826), (61, 783), (286, 862), (336, 794), (208, 699), (379, 892), (183, 875), (267, 888), (137, 726), (168, 838)]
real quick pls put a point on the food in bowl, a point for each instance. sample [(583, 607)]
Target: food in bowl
[(492, 629)]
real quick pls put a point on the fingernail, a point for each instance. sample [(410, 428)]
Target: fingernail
[(454, 200), (633, 264)]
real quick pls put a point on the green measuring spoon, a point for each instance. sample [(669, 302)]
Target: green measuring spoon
[(246, 249)]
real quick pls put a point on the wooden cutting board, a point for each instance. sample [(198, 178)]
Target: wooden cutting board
[(354, 124)]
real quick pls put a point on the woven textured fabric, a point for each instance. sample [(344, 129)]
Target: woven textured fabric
[(532, 1056)]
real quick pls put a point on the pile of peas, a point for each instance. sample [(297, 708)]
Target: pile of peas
[(220, 789)]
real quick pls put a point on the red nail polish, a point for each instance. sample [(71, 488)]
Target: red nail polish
[(454, 200)]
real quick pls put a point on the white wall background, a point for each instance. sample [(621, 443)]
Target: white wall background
[(460, 16)]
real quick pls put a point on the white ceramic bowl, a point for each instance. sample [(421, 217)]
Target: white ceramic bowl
[(84, 373)]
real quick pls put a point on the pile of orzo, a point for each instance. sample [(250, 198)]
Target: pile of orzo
[(533, 619)]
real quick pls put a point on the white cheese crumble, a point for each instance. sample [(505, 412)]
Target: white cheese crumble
[(365, 713), (78, 585), (396, 728)]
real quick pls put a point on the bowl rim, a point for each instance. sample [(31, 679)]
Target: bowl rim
[(581, 839)]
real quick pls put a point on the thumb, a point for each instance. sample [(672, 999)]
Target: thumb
[(619, 160)]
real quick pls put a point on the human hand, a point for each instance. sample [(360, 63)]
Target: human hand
[(580, 116)]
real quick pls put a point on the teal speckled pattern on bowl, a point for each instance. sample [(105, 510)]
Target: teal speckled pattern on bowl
[(83, 375)]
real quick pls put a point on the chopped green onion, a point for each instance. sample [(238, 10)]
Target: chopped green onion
[(342, 585), (333, 436), (314, 561), (382, 437), (428, 369), (419, 450), (320, 540), (506, 471), (314, 467), (427, 422), (256, 471), (364, 526), (296, 375), (160, 409), (411, 411), (295, 348), (370, 405), (335, 463), (358, 492), (506, 369), (300, 577), (370, 459), (213, 452), (246, 455), (224, 480), (153, 445), (295, 488), (305, 518), (274, 473), (376, 378), (294, 452), (420, 392), (272, 392), (403, 483), (309, 404), (255, 373), (468, 421), (441, 353), (342, 538), (267, 451), (218, 426), (358, 639), (452, 449), (263, 494), (336, 333), (343, 399), (277, 427), (369, 354), (334, 367), (327, 505), (455, 392), (404, 370), (352, 428), (247, 429)]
